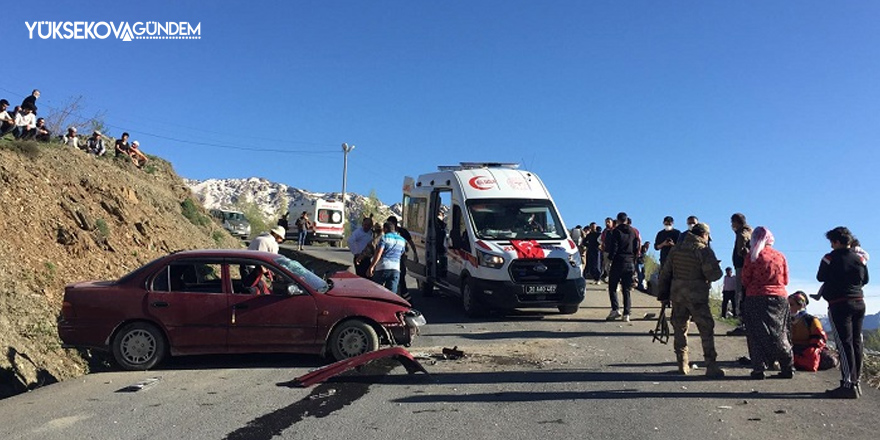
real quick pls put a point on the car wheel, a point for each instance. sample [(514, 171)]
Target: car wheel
[(569, 309), (469, 302), (427, 288), (353, 338), (138, 346)]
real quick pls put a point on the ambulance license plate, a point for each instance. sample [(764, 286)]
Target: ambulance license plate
[(541, 289)]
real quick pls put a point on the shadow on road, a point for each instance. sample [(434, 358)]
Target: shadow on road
[(244, 361), (527, 334), (516, 396)]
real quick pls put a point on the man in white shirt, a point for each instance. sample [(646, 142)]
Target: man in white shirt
[(357, 242), (7, 122), (268, 241), (70, 139), (25, 124)]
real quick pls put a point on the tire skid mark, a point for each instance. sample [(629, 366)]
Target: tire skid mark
[(324, 400)]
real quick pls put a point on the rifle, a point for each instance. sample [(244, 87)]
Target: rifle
[(661, 331)]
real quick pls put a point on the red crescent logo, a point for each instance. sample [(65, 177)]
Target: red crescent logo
[(482, 182)]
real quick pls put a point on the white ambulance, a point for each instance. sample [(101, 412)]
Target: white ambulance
[(326, 215), (491, 234)]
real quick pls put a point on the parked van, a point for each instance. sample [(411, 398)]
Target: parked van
[(326, 215), (233, 221), (491, 234)]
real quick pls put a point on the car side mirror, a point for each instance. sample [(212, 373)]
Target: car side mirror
[(293, 289)]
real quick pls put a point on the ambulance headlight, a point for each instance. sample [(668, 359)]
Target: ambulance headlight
[(490, 260)]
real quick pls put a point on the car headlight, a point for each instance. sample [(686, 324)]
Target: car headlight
[(414, 318), (490, 260)]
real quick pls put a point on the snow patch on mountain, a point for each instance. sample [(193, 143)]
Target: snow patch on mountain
[(270, 197)]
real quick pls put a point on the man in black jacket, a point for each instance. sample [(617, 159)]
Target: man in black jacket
[(622, 247), (844, 272)]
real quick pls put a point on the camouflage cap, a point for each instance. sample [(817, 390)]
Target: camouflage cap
[(701, 229)]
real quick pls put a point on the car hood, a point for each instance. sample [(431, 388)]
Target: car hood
[(348, 285)]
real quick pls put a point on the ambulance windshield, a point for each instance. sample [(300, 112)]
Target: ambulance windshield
[(518, 219)]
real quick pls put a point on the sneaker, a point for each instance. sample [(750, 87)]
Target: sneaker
[(625, 318), (842, 393), (784, 374), (613, 315), (757, 375)]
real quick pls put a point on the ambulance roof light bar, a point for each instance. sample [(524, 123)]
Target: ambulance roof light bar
[(477, 165)]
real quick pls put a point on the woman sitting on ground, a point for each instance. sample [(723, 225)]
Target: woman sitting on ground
[(808, 338)]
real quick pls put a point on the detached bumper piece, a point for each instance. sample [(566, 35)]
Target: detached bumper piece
[(320, 375)]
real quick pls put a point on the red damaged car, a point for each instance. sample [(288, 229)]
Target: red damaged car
[(232, 301)]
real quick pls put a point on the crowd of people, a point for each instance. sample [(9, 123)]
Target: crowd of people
[(379, 252), (22, 123), (779, 332)]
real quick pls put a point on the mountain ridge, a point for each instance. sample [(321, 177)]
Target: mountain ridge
[(269, 197)]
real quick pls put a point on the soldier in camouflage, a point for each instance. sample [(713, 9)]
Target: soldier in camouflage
[(685, 280)]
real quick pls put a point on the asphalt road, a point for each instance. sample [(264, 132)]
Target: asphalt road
[(526, 376)]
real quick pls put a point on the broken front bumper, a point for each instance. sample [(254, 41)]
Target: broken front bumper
[(405, 333)]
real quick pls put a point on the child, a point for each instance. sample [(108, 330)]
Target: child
[(808, 338)]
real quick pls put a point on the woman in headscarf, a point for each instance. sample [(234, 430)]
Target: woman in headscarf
[(765, 308)]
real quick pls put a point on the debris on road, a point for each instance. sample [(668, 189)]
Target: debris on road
[(321, 374), (453, 353), (329, 393), (142, 385)]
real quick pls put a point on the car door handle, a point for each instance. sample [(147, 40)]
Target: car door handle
[(239, 306), (159, 304)]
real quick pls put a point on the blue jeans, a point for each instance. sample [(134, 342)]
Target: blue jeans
[(301, 238), (388, 278)]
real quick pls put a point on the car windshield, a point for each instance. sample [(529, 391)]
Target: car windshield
[(237, 216), (518, 219), (314, 281)]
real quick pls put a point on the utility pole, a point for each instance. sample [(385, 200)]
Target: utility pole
[(345, 150)]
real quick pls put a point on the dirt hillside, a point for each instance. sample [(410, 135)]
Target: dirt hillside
[(66, 216)]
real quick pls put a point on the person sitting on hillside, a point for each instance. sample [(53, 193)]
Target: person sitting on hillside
[(138, 157), (95, 144), (7, 120), (122, 147), (70, 139), (25, 124), (42, 134), (808, 338)]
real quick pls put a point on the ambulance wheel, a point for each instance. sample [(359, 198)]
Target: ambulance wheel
[(471, 304)]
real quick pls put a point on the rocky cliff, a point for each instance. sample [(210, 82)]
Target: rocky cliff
[(64, 217)]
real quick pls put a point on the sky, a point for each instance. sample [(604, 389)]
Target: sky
[(653, 108)]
